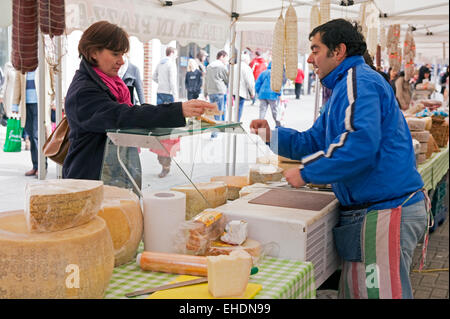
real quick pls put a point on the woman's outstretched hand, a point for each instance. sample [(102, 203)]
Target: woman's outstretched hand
[(196, 107)]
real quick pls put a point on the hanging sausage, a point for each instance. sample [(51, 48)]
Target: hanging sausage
[(24, 55), (52, 17)]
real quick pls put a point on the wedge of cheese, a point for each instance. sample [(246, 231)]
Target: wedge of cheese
[(234, 184), (74, 263), (122, 213), (58, 204), (228, 274), (263, 173), (215, 194)]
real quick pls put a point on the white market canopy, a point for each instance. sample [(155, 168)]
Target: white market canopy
[(209, 21)]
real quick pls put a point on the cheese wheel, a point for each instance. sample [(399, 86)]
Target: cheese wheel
[(416, 124), (421, 136), (261, 173), (214, 192), (423, 147), (234, 184), (73, 263), (58, 204), (421, 158), (122, 213)]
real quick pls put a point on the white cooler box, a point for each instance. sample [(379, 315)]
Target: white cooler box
[(297, 234)]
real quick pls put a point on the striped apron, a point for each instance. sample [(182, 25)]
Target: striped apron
[(378, 275)]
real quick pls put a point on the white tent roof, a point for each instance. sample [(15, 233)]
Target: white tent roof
[(208, 21)]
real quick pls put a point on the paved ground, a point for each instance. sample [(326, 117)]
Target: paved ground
[(209, 162)]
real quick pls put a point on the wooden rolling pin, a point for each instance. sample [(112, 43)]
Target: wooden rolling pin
[(173, 263)]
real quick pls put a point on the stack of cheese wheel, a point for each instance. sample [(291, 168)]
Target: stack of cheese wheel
[(215, 194), (73, 263), (418, 132), (234, 184), (122, 213)]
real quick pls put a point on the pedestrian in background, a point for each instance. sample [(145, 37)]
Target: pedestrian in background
[(131, 76), (200, 58), (166, 77), (298, 83), (246, 87), (193, 80), (217, 82), (266, 96), (258, 65)]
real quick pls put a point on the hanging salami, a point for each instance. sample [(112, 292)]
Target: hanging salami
[(24, 55), (52, 17)]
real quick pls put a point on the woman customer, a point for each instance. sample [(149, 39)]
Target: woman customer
[(98, 99), (193, 80)]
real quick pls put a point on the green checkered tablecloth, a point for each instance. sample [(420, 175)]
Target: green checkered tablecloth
[(280, 278), (434, 168)]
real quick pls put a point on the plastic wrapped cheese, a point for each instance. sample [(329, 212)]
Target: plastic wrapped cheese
[(252, 188), (194, 236), (263, 173), (215, 194), (421, 136), (416, 124), (58, 204), (173, 263), (74, 263), (234, 184), (253, 247), (122, 213), (235, 233)]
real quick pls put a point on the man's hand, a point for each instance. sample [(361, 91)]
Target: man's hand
[(294, 178), (262, 128), (196, 107)]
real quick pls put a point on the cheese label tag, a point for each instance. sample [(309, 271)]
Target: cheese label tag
[(208, 217)]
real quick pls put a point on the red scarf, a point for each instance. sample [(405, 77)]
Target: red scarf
[(116, 86)]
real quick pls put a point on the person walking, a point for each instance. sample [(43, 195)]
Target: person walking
[(246, 87), (258, 65), (193, 80), (25, 101), (217, 82), (165, 76), (298, 83), (402, 91), (443, 79), (266, 96), (383, 206), (131, 76)]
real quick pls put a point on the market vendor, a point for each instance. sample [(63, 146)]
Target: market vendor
[(361, 145), (98, 99)]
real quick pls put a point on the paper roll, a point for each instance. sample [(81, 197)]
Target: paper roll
[(163, 212)]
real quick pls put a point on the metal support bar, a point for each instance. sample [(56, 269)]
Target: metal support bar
[(58, 93), (42, 170)]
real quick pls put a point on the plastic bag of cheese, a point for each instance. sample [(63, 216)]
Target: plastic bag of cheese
[(193, 236), (58, 204)]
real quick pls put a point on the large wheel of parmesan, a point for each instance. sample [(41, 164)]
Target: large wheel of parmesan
[(72, 263), (122, 213)]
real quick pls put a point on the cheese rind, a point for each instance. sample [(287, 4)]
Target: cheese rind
[(263, 173), (214, 192), (228, 274), (73, 263), (54, 205), (122, 213)]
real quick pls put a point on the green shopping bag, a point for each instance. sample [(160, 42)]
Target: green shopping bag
[(13, 140)]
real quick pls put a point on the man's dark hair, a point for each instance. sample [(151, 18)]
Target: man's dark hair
[(339, 31), (170, 50), (221, 53)]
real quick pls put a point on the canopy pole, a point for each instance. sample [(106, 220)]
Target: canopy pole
[(58, 93), (42, 170), (236, 103), (231, 80)]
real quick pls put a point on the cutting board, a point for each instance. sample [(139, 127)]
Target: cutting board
[(294, 199), (199, 291)]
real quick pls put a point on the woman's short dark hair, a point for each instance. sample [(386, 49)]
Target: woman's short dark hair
[(339, 31), (221, 53), (102, 35)]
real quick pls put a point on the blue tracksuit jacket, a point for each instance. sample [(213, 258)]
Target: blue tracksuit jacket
[(360, 144)]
